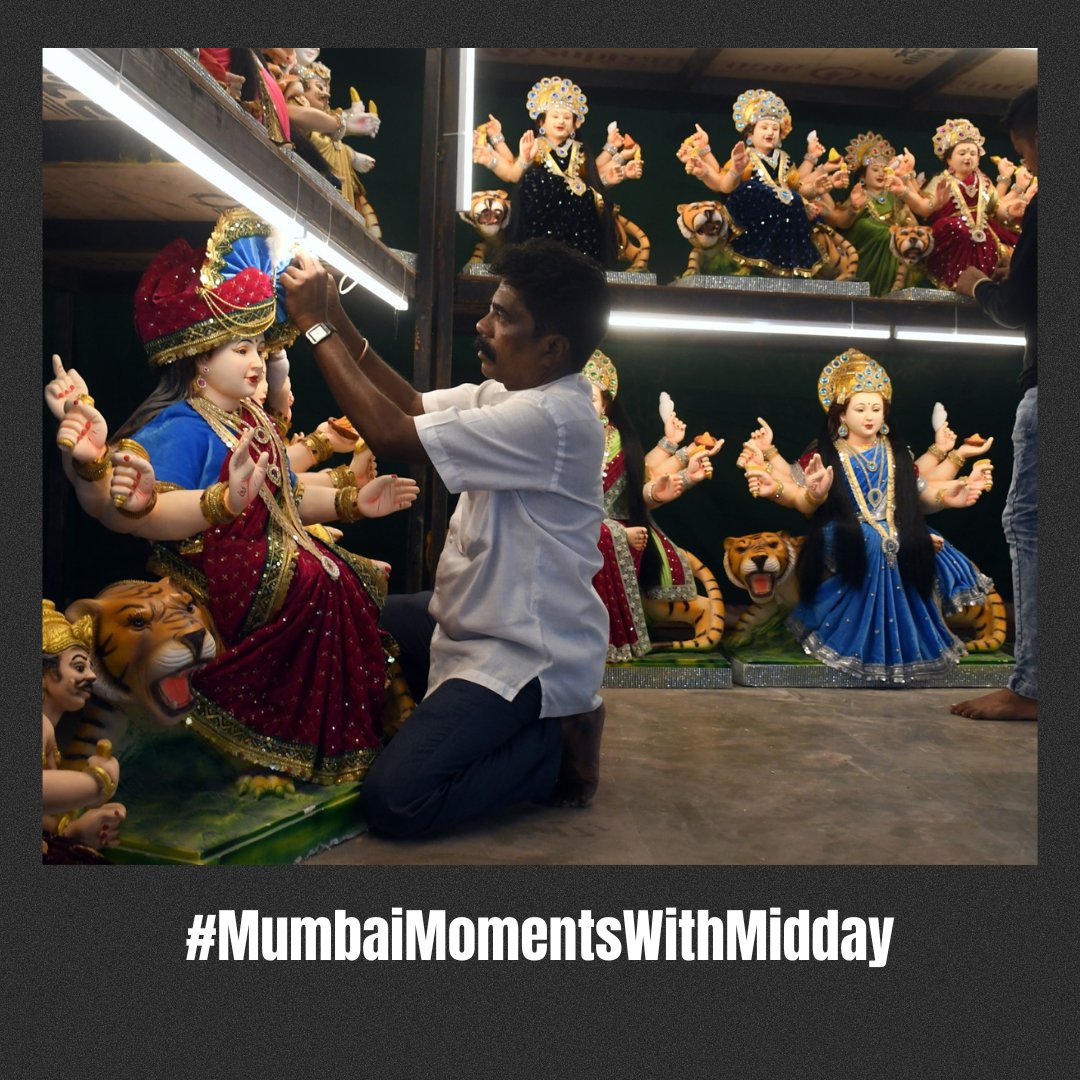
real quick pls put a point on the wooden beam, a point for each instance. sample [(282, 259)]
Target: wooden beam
[(176, 82), (920, 95), (700, 62)]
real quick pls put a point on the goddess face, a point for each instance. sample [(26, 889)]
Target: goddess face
[(317, 92), (864, 415), (963, 160), (599, 404), (874, 176), (233, 372), (765, 135), (558, 123)]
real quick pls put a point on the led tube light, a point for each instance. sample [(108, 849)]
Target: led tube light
[(332, 254), (621, 320), (956, 337), (466, 94), (92, 77)]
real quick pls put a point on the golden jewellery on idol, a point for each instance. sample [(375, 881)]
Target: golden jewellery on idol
[(778, 186), (285, 515), (890, 545), (977, 227), (573, 167)]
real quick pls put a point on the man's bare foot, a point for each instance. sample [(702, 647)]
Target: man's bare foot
[(1002, 704), (579, 774)]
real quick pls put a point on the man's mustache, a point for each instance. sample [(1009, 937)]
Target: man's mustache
[(484, 348)]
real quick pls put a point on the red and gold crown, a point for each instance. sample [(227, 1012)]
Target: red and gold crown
[(191, 301), (754, 105), (556, 92), (866, 148), (852, 372), (956, 131)]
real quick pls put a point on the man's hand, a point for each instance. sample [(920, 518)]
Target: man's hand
[(969, 277), (308, 289)]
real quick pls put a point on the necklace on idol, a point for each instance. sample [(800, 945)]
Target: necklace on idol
[(976, 226), (883, 200), (890, 544), (869, 463), (228, 426), (572, 168), (776, 160), (562, 149)]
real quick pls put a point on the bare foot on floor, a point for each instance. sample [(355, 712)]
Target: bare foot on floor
[(1000, 705), (579, 774)]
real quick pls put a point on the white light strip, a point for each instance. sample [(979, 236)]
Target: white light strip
[(104, 89), (466, 97), (102, 85), (639, 320), (332, 254), (957, 338)]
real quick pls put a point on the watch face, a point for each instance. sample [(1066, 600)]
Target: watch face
[(317, 333)]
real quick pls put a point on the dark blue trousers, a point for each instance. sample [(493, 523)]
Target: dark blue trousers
[(464, 751)]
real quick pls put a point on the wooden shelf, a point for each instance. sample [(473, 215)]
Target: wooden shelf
[(473, 295), (95, 169)]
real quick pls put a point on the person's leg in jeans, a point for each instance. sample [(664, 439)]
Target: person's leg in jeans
[(463, 752), (1020, 523)]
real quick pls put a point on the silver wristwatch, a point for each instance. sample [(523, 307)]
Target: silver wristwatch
[(319, 332)]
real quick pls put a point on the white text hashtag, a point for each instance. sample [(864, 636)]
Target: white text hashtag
[(201, 936)]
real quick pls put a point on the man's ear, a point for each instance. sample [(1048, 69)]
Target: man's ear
[(557, 353)]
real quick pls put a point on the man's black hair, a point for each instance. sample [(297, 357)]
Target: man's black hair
[(1022, 115), (564, 291)]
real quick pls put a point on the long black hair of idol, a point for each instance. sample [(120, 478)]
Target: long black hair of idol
[(618, 417), (174, 384), (916, 555)]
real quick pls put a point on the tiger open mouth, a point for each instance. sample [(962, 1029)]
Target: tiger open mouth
[(760, 584), (712, 227), (174, 694), (489, 217)]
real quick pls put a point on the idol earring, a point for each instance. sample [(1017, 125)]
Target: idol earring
[(200, 382), (541, 129), (842, 430), (884, 429)]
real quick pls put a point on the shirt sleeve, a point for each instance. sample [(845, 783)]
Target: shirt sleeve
[(514, 445), (464, 396), (1012, 302)]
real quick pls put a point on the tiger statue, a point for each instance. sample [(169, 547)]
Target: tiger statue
[(632, 244), (839, 257), (707, 225), (704, 614), (764, 565), (149, 639), (488, 215), (910, 244)]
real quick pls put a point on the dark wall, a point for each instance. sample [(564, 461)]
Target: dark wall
[(721, 385)]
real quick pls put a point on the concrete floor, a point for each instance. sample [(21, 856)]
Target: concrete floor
[(763, 776)]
